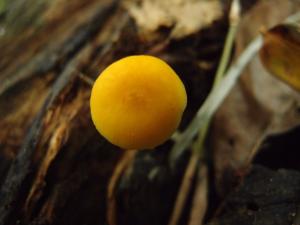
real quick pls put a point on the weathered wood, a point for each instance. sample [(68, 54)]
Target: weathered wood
[(61, 170), (264, 198), (74, 49)]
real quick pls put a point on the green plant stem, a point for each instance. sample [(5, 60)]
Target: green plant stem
[(2, 6), (224, 61), (214, 100), (225, 54), (198, 146)]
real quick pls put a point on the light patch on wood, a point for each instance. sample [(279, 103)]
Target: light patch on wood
[(184, 17), (57, 140), (58, 124)]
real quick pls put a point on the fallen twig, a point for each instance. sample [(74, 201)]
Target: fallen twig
[(184, 189), (125, 161), (199, 203)]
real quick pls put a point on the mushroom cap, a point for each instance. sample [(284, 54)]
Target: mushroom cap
[(137, 102)]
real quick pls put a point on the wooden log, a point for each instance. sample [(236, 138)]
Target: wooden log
[(55, 168)]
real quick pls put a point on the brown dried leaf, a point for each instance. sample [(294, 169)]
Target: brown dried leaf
[(259, 105), (186, 17), (280, 53)]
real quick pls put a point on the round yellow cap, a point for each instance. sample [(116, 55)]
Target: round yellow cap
[(137, 102)]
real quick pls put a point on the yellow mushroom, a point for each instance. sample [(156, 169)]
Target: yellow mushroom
[(137, 102)]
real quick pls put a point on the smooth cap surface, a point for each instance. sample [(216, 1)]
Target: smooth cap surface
[(137, 102)]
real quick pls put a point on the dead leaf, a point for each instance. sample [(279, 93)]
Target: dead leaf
[(185, 17), (280, 53), (259, 105)]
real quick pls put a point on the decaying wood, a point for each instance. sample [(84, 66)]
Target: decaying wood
[(61, 50), (263, 198), (55, 168), (49, 131)]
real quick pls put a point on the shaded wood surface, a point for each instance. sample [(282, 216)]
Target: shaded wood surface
[(54, 166)]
